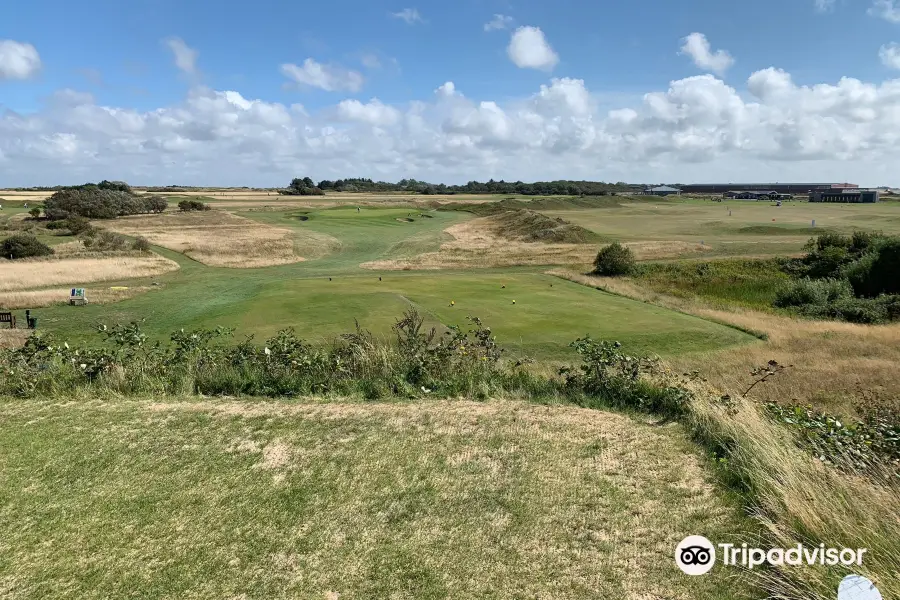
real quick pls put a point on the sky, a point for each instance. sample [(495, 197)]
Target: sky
[(235, 93)]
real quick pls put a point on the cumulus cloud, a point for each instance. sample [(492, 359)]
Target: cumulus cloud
[(889, 10), (185, 56), (769, 129), (374, 113), (446, 90), (697, 47), (18, 60), (410, 15), (890, 55), (331, 78), (499, 22), (529, 49)]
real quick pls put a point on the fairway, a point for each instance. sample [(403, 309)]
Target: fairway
[(752, 228), (540, 325), (185, 499), (324, 296)]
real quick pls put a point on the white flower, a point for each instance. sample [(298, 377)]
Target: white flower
[(267, 351), (66, 344), (83, 366)]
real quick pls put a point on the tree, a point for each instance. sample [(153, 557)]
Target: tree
[(156, 204), (35, 212), (192, 205), (614, 260), (23, 246)]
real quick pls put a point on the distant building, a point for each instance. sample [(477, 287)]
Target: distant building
[(662, 190), (783, 188), (757, 195), (853, 196)]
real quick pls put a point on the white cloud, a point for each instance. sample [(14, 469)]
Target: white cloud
[(331, 78), (771, 128), (890, 55), (529, 49), (374, 113), (697, 47), (185, 56), (371, 61), (499, 22), (888, 10), (446, 90), (825, 5), (410, 15), (18, 60)]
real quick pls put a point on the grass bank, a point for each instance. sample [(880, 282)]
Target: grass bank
[(317, 467)]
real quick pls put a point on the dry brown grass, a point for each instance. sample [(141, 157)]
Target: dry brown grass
[(48, 297), (476, 244), (215, 237), (37, 273), (13, 338), (837, 366), (26, 196), (422, 500)]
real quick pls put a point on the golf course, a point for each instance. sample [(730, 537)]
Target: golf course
[(557, 436), (535, 314)]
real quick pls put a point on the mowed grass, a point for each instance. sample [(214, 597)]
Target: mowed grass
[(190, 499), (752, 228), (547, 316), (541, 324)]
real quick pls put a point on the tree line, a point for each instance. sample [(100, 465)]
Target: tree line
[(307, 187)]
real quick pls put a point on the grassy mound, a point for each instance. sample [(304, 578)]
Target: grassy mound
[(529, 226)]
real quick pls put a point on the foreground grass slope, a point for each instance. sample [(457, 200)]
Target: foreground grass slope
[(203, 499)]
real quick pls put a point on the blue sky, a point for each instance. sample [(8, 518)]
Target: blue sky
[(100, 57)]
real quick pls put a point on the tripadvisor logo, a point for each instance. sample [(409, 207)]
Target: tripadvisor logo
[(696, 555)]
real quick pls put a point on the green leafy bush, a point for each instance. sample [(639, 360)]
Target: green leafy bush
[(852, 278), (859, 444), (23, 246), (815, 292), (614, 260), (612, 377), (878, 271), (192, 205), (92, 202)]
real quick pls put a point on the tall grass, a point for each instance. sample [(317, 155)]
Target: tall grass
[(749, 283), (799, 499)]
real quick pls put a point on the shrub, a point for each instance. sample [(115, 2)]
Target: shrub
[(156, 204), (88, 203), (102, 240), (78, 225), (613, 260), (141, 245), (23, 246), (609, 376), (815, 292), (878, 271), (35, 212), (192, 205), (93, 202)]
